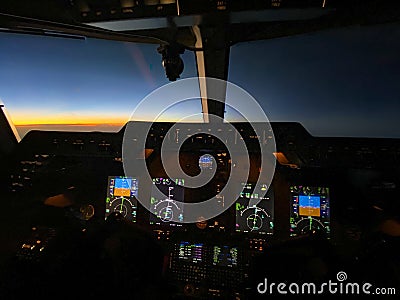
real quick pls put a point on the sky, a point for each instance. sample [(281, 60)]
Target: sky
[(54, 81), (341, 82)]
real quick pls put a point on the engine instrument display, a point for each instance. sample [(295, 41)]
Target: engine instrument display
[(253, 217), (191, 252), (225, 256), (309, 210), (122, 195), (166, 202)]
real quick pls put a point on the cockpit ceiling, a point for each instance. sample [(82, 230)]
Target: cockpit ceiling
[(160, 21)]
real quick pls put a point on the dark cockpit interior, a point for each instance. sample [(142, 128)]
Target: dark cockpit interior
[(73, 220)]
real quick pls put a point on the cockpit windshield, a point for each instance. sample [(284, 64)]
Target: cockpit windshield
[(70, 84), (337, 82)]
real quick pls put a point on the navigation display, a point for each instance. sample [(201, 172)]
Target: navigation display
[(309, 210), (167, 206), (255, 218), (121, 197)]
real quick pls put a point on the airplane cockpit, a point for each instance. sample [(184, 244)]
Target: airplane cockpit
[(196, 208)]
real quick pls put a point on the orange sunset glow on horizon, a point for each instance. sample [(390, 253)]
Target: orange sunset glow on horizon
[(25, 122), (22, 119)]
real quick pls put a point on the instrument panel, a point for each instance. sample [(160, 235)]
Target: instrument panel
[(121, 197), (166, 202), (213, 259), (252, 213), (309, 210), (305, 199)]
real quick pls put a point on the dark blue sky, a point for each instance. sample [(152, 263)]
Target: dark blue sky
[(342, 82)]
